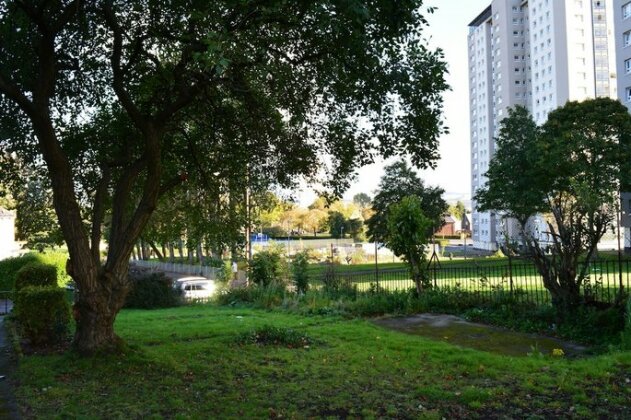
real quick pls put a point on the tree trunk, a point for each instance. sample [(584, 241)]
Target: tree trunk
[(171, 252), (95, 312), (181, 248), (200, 254)]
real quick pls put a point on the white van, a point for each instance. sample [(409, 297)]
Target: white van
[(196, 288)]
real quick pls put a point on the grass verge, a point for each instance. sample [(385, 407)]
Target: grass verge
[(188, 362)]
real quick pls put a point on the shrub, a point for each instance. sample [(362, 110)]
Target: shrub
[(36, 274), (275, 232), (260, 296), (276, 336), (626, 333), (358, 256), (266, 268), (151, 290), (225, 272), (43, 313), (299, 271), (9, 268)]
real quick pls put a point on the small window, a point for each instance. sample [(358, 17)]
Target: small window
[(628, 94), (626, 10), (626, 38), (627, 66)]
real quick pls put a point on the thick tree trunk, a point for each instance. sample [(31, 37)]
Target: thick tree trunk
[(95, 312)]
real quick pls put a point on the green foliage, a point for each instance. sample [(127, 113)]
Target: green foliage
[(225, 274), (363, 200), (407, 236), (213, 91), (36, 274), (266, 297), (457, 210), (399, 181), (625, 338), (43, 314), (266, 268), (532, 173), (337, 224), (269, 335), (300, 271), (9, 268), (151, 291)]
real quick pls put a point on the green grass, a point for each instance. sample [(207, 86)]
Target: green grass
[(187, 363)]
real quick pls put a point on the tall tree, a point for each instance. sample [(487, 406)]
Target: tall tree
[(408, 235), (122, 100), (570, 171), (399, 181)]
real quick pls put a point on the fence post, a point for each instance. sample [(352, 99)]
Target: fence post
[(510, 273), (376, 266)]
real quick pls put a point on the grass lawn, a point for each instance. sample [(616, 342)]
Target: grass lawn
[(185, 363)]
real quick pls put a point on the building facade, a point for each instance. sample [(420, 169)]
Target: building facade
[(622, 24), (539, 54)]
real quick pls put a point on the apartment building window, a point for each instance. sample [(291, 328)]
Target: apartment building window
[(628, 94), (626, 10), (626, 38), (627, 66)]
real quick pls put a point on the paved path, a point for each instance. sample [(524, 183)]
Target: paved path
[(8, 363)]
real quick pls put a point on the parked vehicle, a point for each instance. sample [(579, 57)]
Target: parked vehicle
[(194, 288)]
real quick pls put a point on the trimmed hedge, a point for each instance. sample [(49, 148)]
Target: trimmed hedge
[(10, 266), (152, 290), (43, 314), (36, 274)]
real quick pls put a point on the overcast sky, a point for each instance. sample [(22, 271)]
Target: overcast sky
[(448, 30)]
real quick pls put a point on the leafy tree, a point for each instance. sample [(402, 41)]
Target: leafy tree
[(123, 101), (337, 224), (399, 181), (570, 171), (355, 228), (408, 237), (362, 200), (313, 219), (457, 210)]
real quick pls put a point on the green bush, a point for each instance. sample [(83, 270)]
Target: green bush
[(626, 333), (36, 274), (266, 297), (151, 290), (9, 268), (43, 314), (299, 271), (225, 273), (276, 336), (266, 268)]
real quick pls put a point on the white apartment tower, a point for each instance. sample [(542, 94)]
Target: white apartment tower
[(538, 54), (622, 24)]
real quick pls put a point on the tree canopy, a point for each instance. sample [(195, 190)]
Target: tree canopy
[(120, 102), (571, 172), (399, 181)]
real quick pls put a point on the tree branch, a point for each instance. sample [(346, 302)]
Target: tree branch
[(99, 213), (118, 75)]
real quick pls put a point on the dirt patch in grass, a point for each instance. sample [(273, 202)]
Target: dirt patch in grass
[(455, 330)]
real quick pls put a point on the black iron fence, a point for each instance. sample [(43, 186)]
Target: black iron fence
[(491, 281)]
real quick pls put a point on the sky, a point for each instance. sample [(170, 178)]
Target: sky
[(447, 30)]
